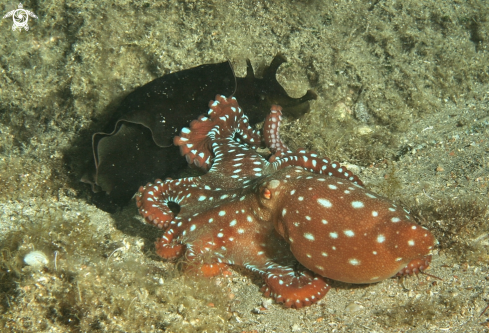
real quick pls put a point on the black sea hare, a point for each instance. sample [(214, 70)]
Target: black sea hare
[(136, 145)]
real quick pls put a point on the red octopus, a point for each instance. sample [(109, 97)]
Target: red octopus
[(295, 218)]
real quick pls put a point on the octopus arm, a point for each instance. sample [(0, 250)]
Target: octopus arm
[(415, 266), (153, 199), (271, 133), (294, 288), (225, 119), (167, 248), (313, 163), (283, 157)]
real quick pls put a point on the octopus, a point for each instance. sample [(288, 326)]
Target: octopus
[(296, 218)]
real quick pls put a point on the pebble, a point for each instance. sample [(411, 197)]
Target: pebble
[(353, 307), (36, 259)]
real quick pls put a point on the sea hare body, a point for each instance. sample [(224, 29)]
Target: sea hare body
[(136, 145)]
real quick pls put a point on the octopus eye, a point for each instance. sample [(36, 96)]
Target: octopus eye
[(267, 194)]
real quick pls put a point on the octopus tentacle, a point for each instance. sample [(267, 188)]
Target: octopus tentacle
[(152, 200), (210, 270), (293, 288), (283, 157), (415, 266), (225, 119), (313, 163), (150, 206), (165, 249), (271, 133)]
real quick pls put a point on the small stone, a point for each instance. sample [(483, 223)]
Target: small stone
[(341, 111), (364, 130), (353, 307), (36, 259), (352, 167), (296, 328), (361, 112), (266, 302)]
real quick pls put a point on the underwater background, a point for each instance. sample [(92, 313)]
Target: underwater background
[(403, 101)]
